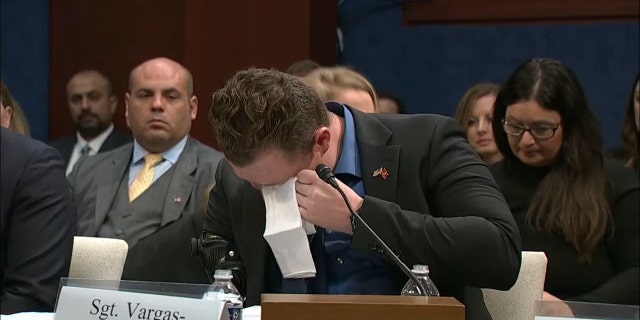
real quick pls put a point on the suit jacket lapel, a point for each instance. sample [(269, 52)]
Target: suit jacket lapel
[(251, 234), (114, 140), (182, 183), (109, 182), (110, 142), (373, 158), (375, 154), (67, 149)]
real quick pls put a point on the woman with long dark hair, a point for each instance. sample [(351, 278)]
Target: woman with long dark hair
[(568, 201)]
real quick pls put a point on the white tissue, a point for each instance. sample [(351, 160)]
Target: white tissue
[(286, 231)]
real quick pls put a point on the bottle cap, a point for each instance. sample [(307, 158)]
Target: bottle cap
[(420, 269), (223, 274)]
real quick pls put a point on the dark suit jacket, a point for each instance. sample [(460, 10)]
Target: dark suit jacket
[(439, 206), (159, 256), (65, 145), (38, 224)]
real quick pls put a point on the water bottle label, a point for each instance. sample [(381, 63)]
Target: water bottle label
[(235, 313)]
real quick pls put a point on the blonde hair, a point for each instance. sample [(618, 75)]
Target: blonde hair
[(330, 81), (18, 120), (468, 101)]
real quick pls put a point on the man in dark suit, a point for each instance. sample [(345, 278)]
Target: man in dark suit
[(92, 105), (37, 224), (159, 181), (413, 178)]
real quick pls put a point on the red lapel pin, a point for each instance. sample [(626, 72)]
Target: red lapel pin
[(382, 172)]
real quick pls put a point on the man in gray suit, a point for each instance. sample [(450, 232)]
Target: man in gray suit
[(151, 191)]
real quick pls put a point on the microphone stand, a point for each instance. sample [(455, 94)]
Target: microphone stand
[(331, 180)]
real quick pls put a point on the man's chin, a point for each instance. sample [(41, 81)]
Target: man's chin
[(91, 130), (156, 141)]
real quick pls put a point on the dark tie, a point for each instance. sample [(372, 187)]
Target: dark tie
[(319, 284), (84, 152), (293, 286), (296, 285)]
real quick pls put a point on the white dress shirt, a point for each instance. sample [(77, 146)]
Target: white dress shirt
[(94, 146)]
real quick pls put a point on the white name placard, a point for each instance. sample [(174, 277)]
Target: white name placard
[(77, 303)]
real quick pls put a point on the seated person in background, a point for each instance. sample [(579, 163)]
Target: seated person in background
[(92, 105), (345, 86), (146, 190), (434, 203), (568, 201), (388, 103), (631, 129), (11, 115), (37, 224), (302, 67), (474, 115)]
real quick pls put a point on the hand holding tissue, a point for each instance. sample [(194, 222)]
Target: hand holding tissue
[(286, 231)]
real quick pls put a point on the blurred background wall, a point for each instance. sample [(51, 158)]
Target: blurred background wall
[(429, 64)]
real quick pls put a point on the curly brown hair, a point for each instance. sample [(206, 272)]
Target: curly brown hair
[(261, 108)]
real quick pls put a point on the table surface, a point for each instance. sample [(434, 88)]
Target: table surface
[(251, 313)]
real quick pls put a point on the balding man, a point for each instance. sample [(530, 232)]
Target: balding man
[(92, 105), (150, 192)]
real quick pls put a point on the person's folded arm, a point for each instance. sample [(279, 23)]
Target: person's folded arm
[(469, 234)]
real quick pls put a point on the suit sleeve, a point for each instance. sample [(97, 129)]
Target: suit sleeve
[(217, 219), (469, 237), (624, 245), (40, 235)]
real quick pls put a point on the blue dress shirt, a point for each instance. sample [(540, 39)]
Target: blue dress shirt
[(347, 270), (170, 157)]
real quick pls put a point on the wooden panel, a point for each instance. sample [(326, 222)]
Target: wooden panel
[(213, 39), (510, 11), (338, 307), (111, 36), (323, 41), (225, 36)]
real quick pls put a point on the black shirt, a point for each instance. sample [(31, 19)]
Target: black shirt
[(612, 276)]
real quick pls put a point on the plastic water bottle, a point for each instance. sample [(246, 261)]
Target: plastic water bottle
[(222, 289), (422, 273)]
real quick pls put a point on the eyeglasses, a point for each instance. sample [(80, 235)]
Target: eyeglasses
[(540, 132)]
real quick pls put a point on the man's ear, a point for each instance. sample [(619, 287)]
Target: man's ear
[(127, 96), (322, 141), (193, 106)]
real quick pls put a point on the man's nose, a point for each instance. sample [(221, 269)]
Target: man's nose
[(157, 102), (84, 104)]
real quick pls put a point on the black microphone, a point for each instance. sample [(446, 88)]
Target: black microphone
[(327, 176)]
